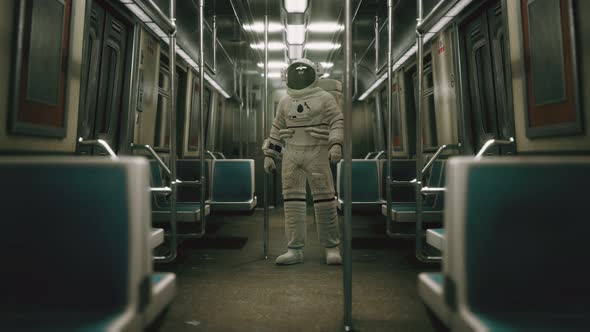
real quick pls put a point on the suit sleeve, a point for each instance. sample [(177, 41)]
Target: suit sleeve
[(274, 147), (335, 120)]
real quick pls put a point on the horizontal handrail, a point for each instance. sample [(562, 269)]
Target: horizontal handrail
[(100, 143), (211, 154), (491, 143), (403, 183), (153, 153), (438, 153), (433, 190), (182, 183), (161, 190), (379, 154)]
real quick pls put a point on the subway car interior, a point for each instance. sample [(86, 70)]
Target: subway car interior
[(295, 165)]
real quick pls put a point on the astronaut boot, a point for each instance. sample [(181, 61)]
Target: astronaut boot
[(333, 256), (292, 256)]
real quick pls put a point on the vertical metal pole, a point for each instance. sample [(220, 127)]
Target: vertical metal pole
[(214, 43), (240, 110), (172, 64), (389, 135), (202, 109), (248, 116), (419, 144), (347, 250), (377, 44), (264, 130)]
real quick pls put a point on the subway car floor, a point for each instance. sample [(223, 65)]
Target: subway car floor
[(224, 283)]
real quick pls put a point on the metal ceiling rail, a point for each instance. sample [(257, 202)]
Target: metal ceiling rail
[(154, 12), (441, 8)]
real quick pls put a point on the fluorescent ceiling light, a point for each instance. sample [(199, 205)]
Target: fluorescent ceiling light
[(325, 27), (295, 6), (273, 65), (295, 51), (373, 87), (272, 75), (272, 46), (321, 46), (215, 85), (259, 27), (327, 65), (295, 33)]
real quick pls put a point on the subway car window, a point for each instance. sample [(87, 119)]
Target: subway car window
[(398, 139), (429, 132), (195, 118)]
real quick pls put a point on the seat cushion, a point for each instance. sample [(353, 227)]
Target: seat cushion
[(233, 180), (190, 170), (365, 182), (77, 212), (538, 322)]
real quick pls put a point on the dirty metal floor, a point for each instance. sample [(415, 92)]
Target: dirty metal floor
[(225, 284)]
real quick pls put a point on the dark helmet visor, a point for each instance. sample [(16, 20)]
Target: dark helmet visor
[(300, 76)]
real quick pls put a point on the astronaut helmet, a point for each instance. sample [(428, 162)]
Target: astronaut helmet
[(301, 73)]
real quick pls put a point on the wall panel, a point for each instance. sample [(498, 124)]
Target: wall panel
[(10, 142), (552, 144)]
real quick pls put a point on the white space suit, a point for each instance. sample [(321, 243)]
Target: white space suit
[(309, 125)]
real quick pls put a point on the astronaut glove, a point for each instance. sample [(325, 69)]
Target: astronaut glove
[(269, 165), (286, 133), (323, 134), (335, 153)]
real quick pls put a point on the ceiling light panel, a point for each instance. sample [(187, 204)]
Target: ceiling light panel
[(295, 51), (274, 65), (272, 46), (259, 27), (272, 75), (321, 46), (295, 33), (295, 6), (325, 27)]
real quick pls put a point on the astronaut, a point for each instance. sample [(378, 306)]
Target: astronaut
[(307, 131)]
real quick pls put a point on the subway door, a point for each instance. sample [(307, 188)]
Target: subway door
[(480, 81), (502, 76), (103, 86)]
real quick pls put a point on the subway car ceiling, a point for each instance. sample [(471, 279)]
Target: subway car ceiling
[(234, 56)]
